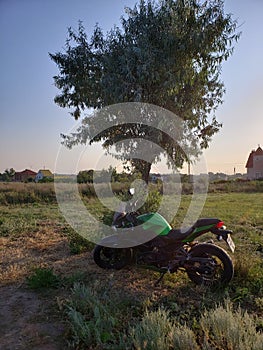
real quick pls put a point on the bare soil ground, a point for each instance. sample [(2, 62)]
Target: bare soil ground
[(27, 322)]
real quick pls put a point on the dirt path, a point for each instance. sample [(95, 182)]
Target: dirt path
[(28, 320)]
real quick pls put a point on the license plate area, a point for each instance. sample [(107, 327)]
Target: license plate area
[(230, 243)]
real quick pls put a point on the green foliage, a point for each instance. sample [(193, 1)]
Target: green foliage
[(152, 203), (158, 61), (26, 219), (43, 278), (227, 329), (8, 175), (104, 176), (166, 53), (85, 176), (92, 318)]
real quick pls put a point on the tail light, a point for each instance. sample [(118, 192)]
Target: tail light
[(220, 224)]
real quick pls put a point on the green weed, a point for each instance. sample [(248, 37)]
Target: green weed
[(91, 319), (43, 278)]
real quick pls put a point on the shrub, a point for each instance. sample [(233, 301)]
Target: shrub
[(183, 338), (152, 203), (90, 318), (151, 333), (227, 329), (157, 332)]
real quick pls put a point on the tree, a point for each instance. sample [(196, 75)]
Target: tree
[(168, 54), (85, 176), (8, 175)]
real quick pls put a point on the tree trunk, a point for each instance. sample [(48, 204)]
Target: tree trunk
[(143, 167), (146, 172)]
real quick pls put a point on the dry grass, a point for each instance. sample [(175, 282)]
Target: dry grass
[(20, 255), (18, 192)]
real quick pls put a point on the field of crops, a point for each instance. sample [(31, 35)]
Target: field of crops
[(53, 296)]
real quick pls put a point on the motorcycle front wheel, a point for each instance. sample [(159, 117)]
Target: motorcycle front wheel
[(111, 258), (209, 265)]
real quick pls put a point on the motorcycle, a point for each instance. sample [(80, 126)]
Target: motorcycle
[(168, 250)]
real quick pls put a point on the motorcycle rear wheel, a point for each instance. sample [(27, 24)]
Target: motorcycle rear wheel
[(215, 267), (111, 258)]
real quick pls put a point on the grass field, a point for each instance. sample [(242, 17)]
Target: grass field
[(54, 296)]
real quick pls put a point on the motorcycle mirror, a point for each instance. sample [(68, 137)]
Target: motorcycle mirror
[(132, 191)]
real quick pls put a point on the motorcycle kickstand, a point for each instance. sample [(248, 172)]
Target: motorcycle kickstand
[(160, 278)]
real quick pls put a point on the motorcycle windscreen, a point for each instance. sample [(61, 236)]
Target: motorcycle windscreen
[(155, 222)]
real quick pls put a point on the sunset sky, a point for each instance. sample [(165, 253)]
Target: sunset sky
[(31, 123)]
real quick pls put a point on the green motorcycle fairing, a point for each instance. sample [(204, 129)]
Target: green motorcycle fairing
[(155, 222)]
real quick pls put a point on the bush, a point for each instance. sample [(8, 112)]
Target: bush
[(157, 332), (152, 203), (152, 332), (227, 329), (91, 319)]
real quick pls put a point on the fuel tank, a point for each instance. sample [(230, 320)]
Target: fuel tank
[(155, 222)]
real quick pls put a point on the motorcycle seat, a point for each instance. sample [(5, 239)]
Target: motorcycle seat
[(206, 222), (180, 234)]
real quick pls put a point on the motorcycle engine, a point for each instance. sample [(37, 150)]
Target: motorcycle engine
[(153, 257)]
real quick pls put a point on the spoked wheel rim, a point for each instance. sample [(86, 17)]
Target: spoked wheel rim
[(210, 266), (210, 271)]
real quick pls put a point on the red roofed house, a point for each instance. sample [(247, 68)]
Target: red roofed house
[(255, 165), (24, 175)]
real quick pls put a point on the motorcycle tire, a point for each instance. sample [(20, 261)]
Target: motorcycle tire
[(218, 270), (111, 258)]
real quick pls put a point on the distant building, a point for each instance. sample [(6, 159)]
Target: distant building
[(43, 174), (25, 175), (255, 164)]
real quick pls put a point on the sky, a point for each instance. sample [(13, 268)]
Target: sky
[(30, 121)]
